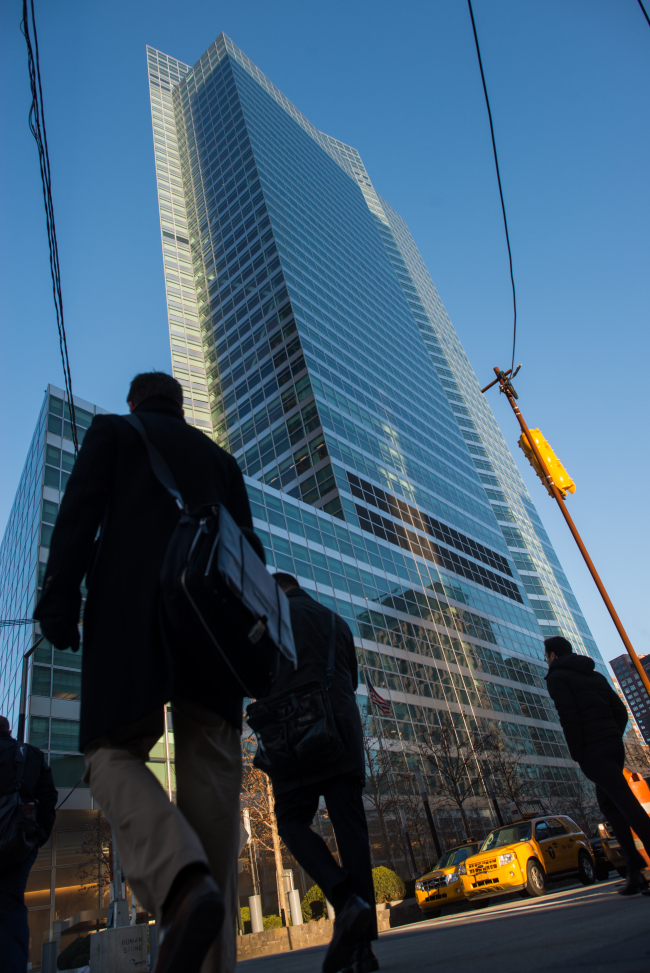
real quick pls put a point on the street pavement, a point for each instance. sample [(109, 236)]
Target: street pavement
[(575, 930)]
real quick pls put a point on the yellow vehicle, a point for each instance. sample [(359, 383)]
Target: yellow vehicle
[(442, 885), (525, 856)]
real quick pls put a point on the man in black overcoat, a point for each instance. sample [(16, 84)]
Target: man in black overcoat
[(593, 719), (348, 886), (180, 859)]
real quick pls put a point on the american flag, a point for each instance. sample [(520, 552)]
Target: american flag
[(379, 701)]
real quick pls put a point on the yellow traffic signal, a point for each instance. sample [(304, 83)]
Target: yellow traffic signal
[(554, 467)]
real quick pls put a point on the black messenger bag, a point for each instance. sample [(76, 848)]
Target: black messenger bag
[(216, 593), (295, 729)]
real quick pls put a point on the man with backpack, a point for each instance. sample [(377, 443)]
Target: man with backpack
[(27, 812), (114, 527), (327, 660)]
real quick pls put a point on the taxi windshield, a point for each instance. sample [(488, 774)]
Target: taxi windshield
[(508, 836), (456, 856)]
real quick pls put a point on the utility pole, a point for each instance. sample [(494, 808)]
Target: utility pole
[(20, 733), (504, 379)]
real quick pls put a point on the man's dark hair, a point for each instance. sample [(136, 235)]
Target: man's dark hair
[(286, 579), (559, 645), (4, 725), (149, 384)]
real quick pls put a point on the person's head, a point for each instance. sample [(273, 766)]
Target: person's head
[(146, 385), (286, 581), (4, 725), (556, 647)]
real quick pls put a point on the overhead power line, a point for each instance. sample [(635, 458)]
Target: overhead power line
[(645, 12), (37, 128), (496, 162)]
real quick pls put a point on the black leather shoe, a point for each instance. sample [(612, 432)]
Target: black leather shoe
[(189, 926), (349, 926), (364, 960), (634, 885)]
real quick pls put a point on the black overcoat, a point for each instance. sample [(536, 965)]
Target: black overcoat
[(588, 708), (310, 622), (128, 671)]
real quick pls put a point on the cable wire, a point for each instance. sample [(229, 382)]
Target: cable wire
[(645, 12), (37, 128), (496, 162)]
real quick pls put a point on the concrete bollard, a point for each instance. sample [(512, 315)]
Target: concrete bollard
[(294, 907), (255, 906)]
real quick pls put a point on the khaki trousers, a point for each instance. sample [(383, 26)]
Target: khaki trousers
[(155, 838)]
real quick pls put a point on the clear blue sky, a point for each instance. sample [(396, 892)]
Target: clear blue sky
[(569, 82)]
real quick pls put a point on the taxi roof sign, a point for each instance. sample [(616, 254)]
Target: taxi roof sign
[(520, 810)]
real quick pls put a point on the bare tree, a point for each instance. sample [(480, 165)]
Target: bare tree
[(637, 756), (501, 762), (257, 797), (579, 802), (377, 796), (454, 754), (95, 869)]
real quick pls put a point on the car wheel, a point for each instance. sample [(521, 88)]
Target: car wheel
[(602, 871), (535, 878), (586, 870), (622, 871)]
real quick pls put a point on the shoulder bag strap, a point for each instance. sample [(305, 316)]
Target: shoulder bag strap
[(331, 653), (19, 764), (160, 469)]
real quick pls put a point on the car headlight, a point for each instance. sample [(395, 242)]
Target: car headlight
[(419, 886), (506, 859), (462, 869), (453, 877)]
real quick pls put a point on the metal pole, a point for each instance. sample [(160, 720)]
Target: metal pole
[(20, 733), (506, 388), (427, 809), (402, 815)]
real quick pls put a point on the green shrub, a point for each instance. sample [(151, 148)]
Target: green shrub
[(272, 922), (313, 905), (76, 954), (388, 885)]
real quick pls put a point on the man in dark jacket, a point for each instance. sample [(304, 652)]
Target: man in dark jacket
[(38, 789), (593, 719), (348, 886), (173, 854)]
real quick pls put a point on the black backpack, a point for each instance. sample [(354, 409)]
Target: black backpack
[(18, 828), (295, 728), (216, 594)]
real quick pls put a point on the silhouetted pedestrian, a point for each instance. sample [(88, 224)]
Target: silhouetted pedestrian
[(180, 859), (593, 719), (24, 765), (348, 886)]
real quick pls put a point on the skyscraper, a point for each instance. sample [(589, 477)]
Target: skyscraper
[(311, 343), (633, 690)]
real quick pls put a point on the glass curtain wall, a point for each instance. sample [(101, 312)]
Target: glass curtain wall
[(376, 472)]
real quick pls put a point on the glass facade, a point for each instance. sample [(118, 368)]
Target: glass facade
[(54, 682), (376, 470)]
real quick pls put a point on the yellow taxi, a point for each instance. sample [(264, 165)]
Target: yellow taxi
[(525, 856), (442, 885)]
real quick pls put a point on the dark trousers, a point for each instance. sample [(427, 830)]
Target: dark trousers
[(295, 812), (14, 931), (603, 764)]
